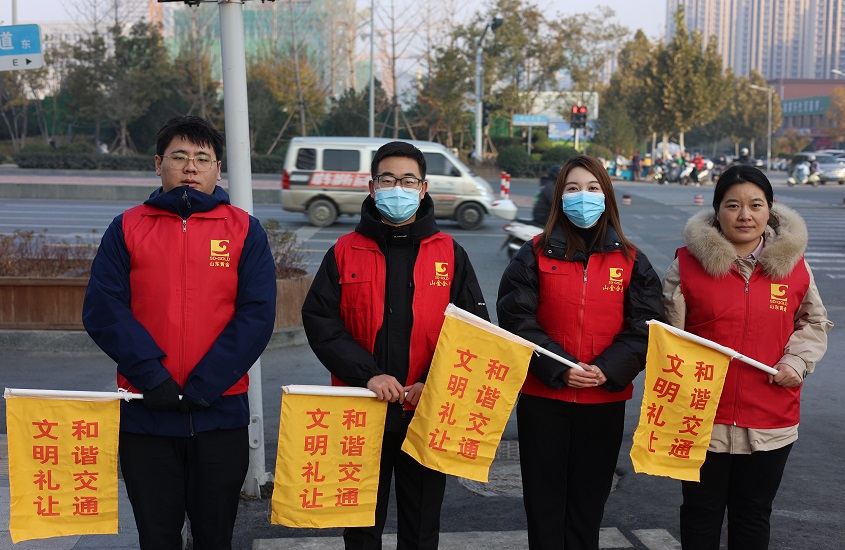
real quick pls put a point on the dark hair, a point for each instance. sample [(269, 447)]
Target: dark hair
[(192, 128), (398, 149), (741, 173), (610, 216)]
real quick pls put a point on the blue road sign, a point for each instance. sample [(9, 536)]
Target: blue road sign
[(20, 48), (530, 120)]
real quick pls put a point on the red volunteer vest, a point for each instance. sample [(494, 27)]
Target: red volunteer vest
[(362, 271), (184, 281), (582, 310), (756, 321)]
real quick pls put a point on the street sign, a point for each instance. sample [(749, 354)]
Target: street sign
[(530, 120), (20, 48)]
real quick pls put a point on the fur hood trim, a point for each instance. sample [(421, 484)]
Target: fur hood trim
[(784, 245)]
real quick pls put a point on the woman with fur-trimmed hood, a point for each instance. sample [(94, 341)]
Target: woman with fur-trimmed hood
[(742, 281)]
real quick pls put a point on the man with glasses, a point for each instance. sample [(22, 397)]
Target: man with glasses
[(372, 317), (182, 296)]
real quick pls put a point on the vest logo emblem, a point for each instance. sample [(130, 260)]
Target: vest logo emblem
[(441, 275), (778, 300), (614, 281), (219, 253)]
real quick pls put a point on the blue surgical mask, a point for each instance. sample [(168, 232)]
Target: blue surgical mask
[(583, 208), (397, 204)]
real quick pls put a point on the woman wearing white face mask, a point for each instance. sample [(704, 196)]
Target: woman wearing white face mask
[(585, 292)]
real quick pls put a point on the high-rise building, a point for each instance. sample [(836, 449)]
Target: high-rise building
[(324, 31), (780, 39)]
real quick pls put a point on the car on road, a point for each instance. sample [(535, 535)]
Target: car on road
[(831, 169), (328, 176)]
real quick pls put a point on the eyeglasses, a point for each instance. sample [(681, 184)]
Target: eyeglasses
[(179, 161), (388, 182)]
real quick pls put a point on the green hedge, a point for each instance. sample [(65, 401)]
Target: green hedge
[(560, 154), (266, 164), (595, 150), (515, 160)]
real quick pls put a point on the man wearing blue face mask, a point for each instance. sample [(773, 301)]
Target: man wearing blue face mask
[(373, 316)]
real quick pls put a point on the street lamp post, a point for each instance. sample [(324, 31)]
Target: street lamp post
[(479, 73), (770, 91), (372, 113)]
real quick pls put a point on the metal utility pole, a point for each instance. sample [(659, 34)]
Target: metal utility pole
[(478, 153), (372, 75), (770, 91), (236, 117)]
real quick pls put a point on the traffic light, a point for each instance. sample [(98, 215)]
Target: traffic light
[(486, 109), (578, 116)]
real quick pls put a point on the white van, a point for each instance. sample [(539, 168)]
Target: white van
[(328, 176)]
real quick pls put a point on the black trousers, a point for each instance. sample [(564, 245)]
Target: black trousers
[(567, 454), (167, 477), (419, 497), (746, 485)]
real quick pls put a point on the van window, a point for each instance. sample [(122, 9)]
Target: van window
[(438, 165), (341, 160), (306, 159)]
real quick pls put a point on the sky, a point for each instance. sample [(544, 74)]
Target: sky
[(649, 15)]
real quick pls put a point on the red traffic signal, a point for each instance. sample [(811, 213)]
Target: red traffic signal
[(578, 118)]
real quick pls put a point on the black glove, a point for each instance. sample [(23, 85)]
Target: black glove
[(189, 404), (164, 397)]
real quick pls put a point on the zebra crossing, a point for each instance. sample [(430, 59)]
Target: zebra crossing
[(825, 222)]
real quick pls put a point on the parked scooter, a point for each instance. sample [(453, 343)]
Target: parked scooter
[(686, 177), (658, 174), (517, 233), (666, 173)]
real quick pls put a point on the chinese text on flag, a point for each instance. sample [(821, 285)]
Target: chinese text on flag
[(327, 465), (683, 384), (62, 466), (471, 388)]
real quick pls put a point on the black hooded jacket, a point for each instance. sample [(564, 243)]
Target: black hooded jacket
[(334, 345)]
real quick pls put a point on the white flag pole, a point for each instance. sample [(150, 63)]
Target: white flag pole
[(335, 391), (81, 395), (454, 311), (713, 345)]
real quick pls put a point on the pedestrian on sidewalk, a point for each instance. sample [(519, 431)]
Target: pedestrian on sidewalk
[(372, 317), (581, 290), (741, 280), (637, 165), (182, 297)]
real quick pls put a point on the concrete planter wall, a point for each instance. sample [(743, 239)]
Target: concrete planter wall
[(56, 303)]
